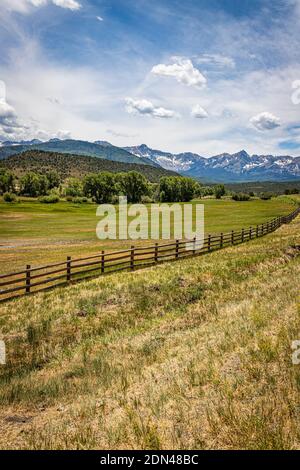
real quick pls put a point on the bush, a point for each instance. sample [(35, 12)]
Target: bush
[(146, 200), (265, 196), (9, 197), (240, 197), (69, 199), (51, 199), (79, 200)]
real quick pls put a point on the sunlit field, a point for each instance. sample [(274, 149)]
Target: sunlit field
[(35, 233), (188, 355)]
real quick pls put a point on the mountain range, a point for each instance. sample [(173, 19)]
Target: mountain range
[(226, 167), (98, 149)]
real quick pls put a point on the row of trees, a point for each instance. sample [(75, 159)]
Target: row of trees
[(32, 184), (104, 187)]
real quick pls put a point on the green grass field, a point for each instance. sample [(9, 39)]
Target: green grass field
[(36, 234), (188, 355)]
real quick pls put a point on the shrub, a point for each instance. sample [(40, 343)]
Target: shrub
[(9, 197), (146, 199), (240, 197), (265, 196), (51, 199), (77, 200)]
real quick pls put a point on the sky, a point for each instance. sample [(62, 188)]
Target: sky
[(205, 76)]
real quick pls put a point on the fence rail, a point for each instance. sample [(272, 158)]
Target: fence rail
[(35, 279)]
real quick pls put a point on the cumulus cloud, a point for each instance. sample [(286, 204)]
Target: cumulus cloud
[(199, 112), (183, 71), (8, 117), (23, 6), (216, 60), (265, 121), (147, 108)]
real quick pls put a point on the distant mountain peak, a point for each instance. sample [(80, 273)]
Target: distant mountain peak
[(226, 167)]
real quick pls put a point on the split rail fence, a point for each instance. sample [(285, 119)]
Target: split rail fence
[(34, 279)]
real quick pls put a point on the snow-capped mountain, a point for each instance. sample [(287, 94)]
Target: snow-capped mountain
[(181, 162), (225, 167)]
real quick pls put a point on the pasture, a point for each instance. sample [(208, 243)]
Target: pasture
[(35, 233), (186, 355)]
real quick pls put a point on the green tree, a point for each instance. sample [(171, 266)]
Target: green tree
[(177, 189), (7, 181), (219, 191), (101, 187), (33, 184), (74, 187), (54, 179), (134, 185)]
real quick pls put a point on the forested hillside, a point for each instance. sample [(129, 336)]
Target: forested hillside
[(68, 165)]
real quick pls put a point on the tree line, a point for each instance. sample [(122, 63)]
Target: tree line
[(104, 187)]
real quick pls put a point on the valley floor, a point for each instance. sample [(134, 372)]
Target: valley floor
[(186, 355), (38, 234)]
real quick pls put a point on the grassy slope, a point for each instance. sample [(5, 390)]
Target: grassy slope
[(37, 233), (68, 165), (193, 354)]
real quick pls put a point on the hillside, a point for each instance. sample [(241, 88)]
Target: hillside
[(78, 147), (188, 355), (75, 165), (274, 187)]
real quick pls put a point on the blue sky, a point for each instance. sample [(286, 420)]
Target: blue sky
[(207, 76)]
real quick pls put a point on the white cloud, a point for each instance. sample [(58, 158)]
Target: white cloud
[(69, 4), (23, 6), (8, 117), (99, 18), (147, 108), (265, 121), (216, 60), (13, 129), (199, 112), (183, 71)]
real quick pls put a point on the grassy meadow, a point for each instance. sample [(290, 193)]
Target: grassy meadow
[(35, 233), (185, 355)]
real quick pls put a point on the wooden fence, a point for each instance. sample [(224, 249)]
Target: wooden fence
[(34, 279)]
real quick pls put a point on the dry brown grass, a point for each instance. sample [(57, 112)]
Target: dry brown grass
[(194, 354)]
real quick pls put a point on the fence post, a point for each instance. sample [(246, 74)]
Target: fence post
[(250, 233), (156, 253), (132, 258), (194, 248), (243, 235), (177, 249), (102, 261), (256, 231), (28, 267), (232, 237), (221, 240), (69, 268), (209, 243)]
